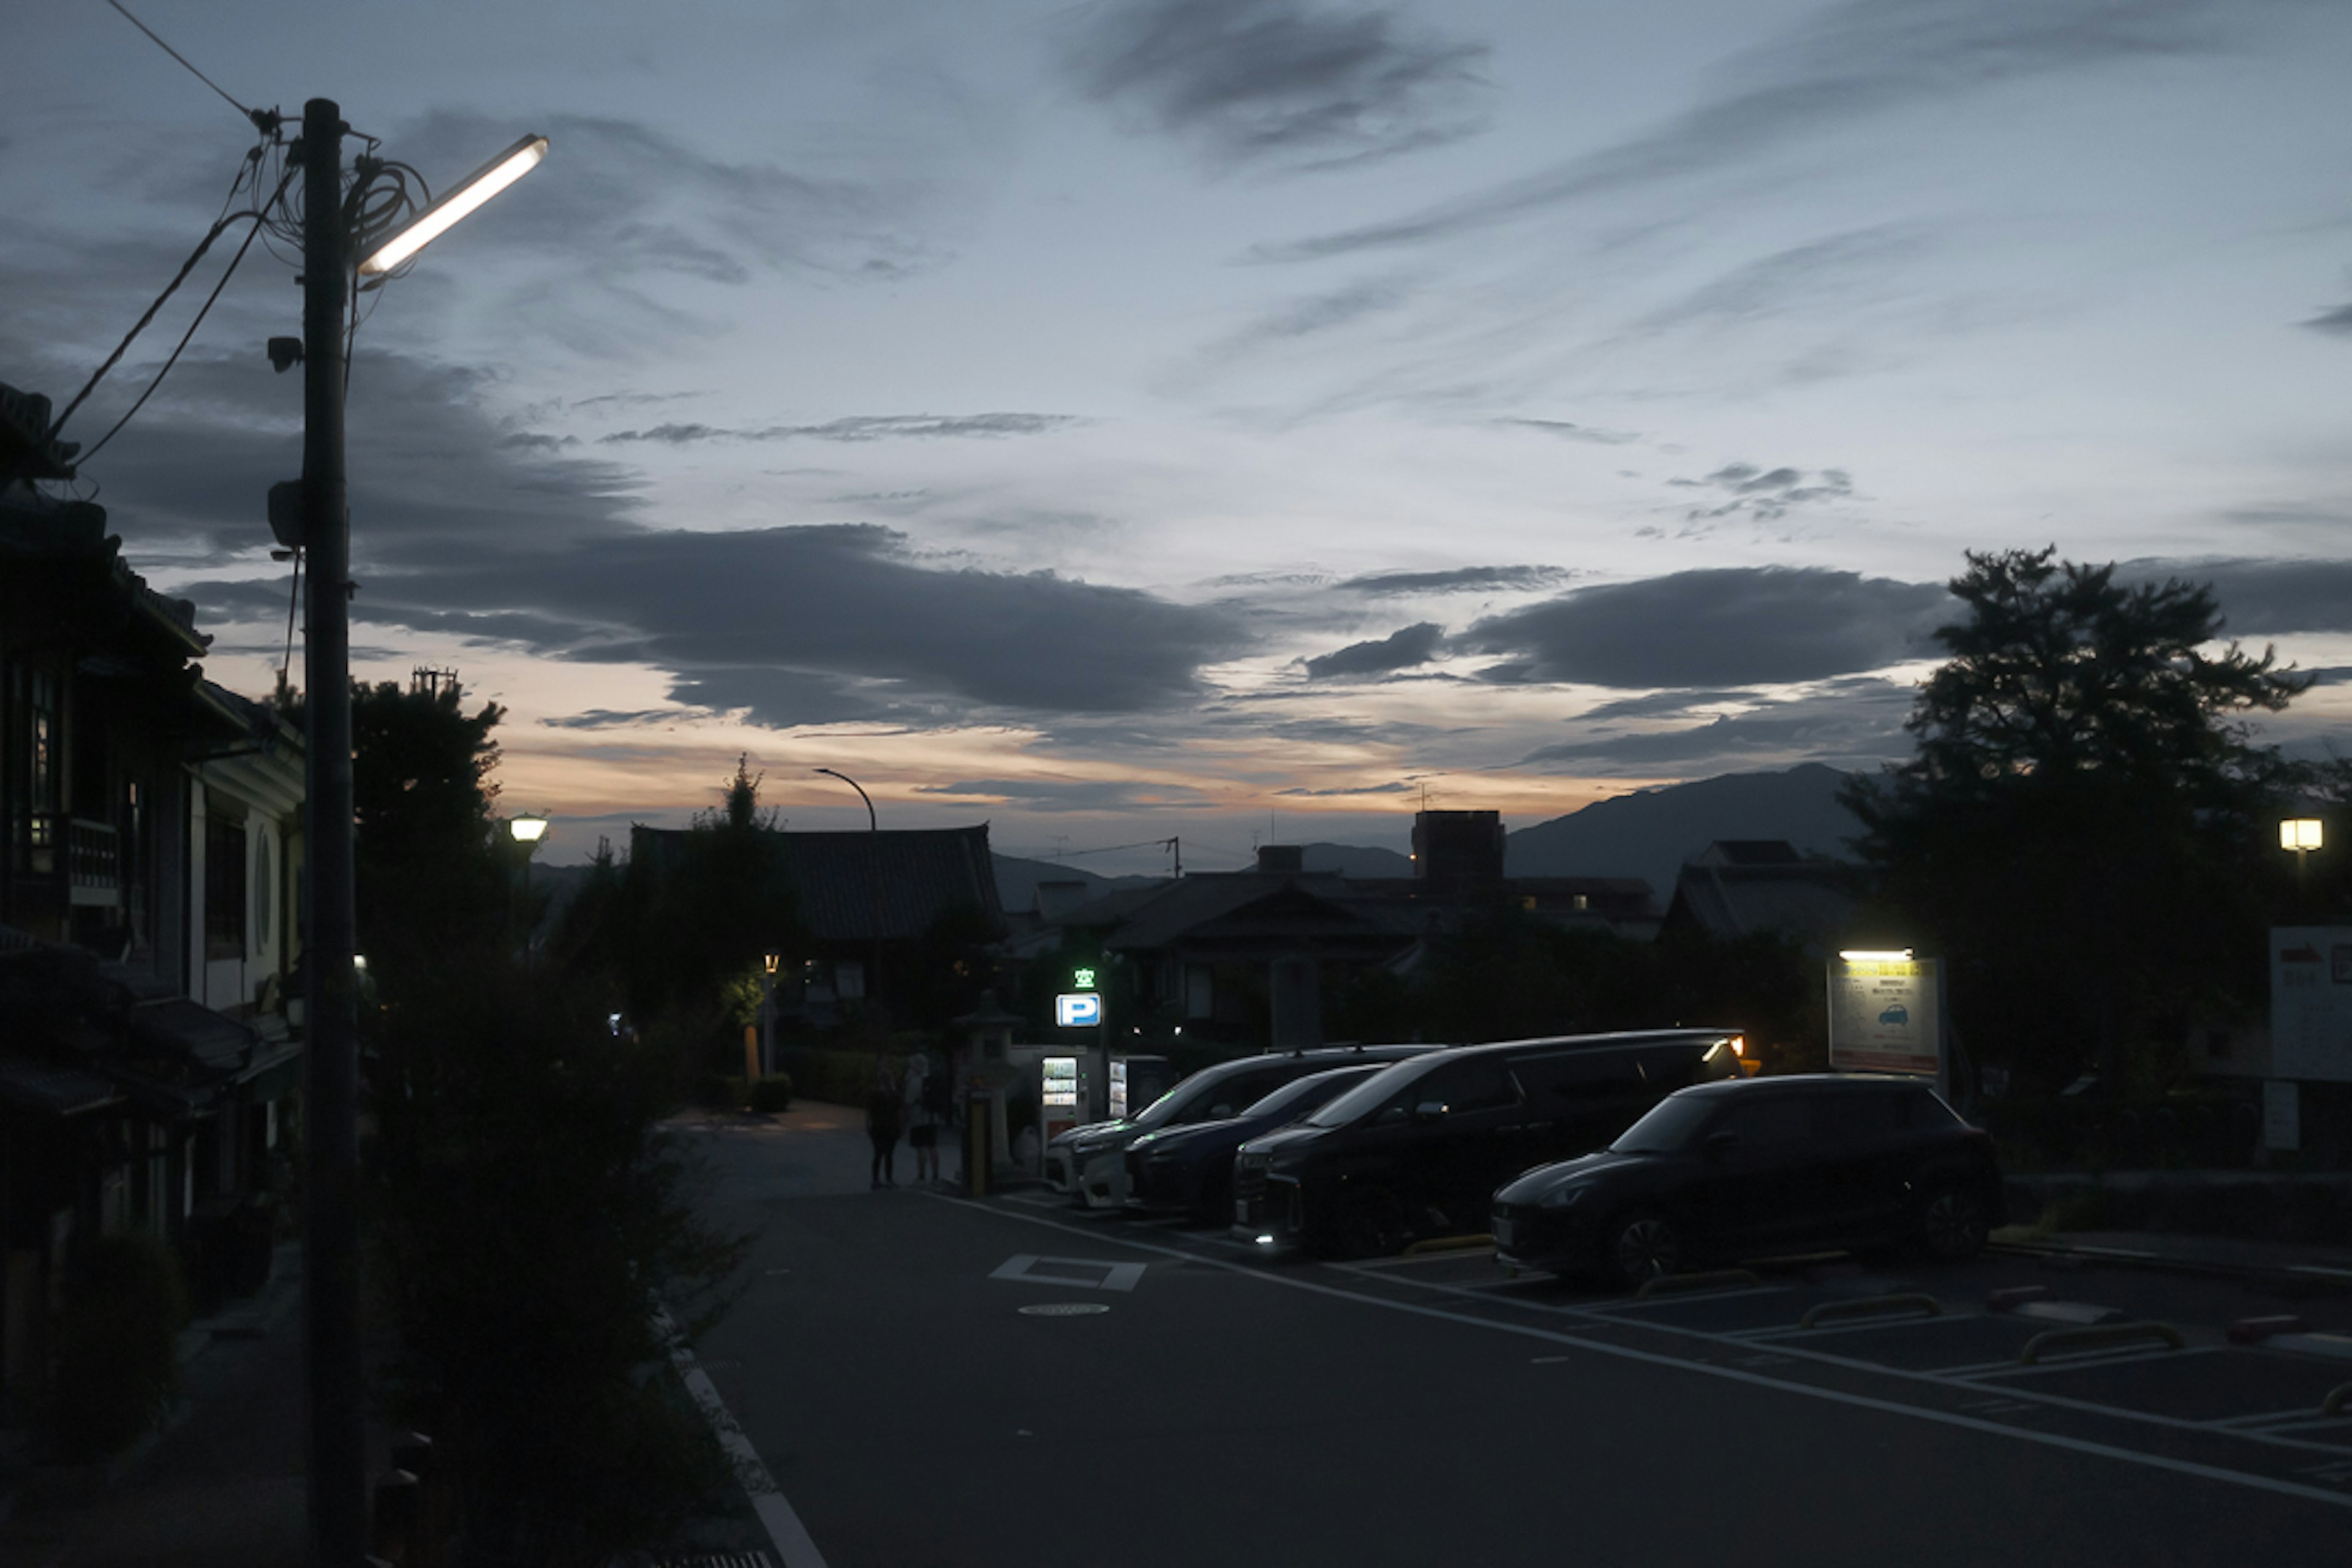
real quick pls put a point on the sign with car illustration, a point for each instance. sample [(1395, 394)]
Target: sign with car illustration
[(2311, 1003), (1884, 1013)]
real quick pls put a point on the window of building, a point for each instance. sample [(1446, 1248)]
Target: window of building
[(225, 885)]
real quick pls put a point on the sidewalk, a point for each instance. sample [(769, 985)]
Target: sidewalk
[(221, 1486)]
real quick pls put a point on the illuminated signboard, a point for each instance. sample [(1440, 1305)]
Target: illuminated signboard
[(1061, 1080), (1084, 979), (1077, 1009), (1118, 1090), (1885, 1014)]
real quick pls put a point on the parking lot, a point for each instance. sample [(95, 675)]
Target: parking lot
[(2139, 1360), (925, 1379)]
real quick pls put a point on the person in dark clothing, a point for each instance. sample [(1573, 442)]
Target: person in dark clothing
[(882, 1123)]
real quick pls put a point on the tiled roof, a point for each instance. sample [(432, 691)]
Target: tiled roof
[(844, 884)]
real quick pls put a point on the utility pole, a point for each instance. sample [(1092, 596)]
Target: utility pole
[(338, 1391)]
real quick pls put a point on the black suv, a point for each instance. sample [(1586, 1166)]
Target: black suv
[(1088, 1162), (1418, 1148), (1189, 1170), (1767, 1165)]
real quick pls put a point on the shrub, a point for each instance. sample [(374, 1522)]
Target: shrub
[(118, 1362), (773, 1093)]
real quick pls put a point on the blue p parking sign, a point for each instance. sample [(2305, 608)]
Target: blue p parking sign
[(1077, 1009)]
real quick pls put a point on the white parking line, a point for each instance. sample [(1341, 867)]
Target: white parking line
[(790, 1537), (1094, 1273), (1755, 1379)]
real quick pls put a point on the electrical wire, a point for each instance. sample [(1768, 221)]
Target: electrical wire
[(184, 337), (254, 115)]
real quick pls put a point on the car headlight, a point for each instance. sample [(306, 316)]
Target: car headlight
[(1562, 1197)]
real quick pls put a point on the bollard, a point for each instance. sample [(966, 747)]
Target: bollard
[(398, 1516), (413, 1452), (1872, 1308)]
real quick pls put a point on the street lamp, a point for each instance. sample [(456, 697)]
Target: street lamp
[(527, 829), (2301, 835), (767, 961), (338, 1383), (874, 883)]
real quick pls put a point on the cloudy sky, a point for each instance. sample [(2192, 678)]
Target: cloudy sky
[(1220, 418)]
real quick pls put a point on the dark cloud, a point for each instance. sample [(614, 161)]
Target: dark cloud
[(1765, 493), (2264, 598), (1460, 580), (1393, 788), (1847, 723), (1568, 432), (856, 427), (1842, 66), (1072, 795), (2338, 321), (1718, 627), (1278, 83), (608, 719), (455, 531), (1398, 651)]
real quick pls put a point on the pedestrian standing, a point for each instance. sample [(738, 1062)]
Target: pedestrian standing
[(883, 1120), (922, 1118)]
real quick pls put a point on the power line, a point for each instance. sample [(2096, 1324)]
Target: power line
[(257, 116), (184, 337)]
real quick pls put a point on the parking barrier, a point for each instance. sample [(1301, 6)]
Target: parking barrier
[(2097, 1334), (2338, 1398), (1871, 1307), (1448, 1244), (2254, 1330), (1707, 1281)]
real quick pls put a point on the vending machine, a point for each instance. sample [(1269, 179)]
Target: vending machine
[(1135, 1081), (1062, 1100)]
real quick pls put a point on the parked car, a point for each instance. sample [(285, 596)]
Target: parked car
[(1087, 1163), (1190, 1170), (1728, 1171), (1418, 1149)]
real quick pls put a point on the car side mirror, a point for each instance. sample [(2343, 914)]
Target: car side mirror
[(1430, 1111), (1719, 1145)]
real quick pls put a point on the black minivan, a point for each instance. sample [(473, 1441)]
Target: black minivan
[(1418, 1149)]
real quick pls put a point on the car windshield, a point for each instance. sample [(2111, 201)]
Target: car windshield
[(1171, 1106), (1305, 1094), (1372, 1092), (1668, 1129)]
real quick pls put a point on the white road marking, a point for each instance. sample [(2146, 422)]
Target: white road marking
[(1831, 1395), (1090, 1273), (790, 1537)]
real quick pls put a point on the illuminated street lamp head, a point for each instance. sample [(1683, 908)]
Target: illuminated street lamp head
[(528, 828), (2299, 833), (471, 193), (770, 960)]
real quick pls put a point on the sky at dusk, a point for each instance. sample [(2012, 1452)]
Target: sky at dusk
[(1220, 418)]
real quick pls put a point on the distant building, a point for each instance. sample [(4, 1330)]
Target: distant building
[(1738, 887), (1248, 957), (861, 897)]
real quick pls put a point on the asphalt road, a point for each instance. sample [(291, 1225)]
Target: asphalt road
[(1208, 1408)]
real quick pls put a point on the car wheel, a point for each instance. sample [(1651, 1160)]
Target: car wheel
[(1952, 1225), (1372, 1224), (1642, 1247)]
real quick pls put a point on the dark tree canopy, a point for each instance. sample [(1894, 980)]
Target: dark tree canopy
[(2059, 669), (2079, 833)]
